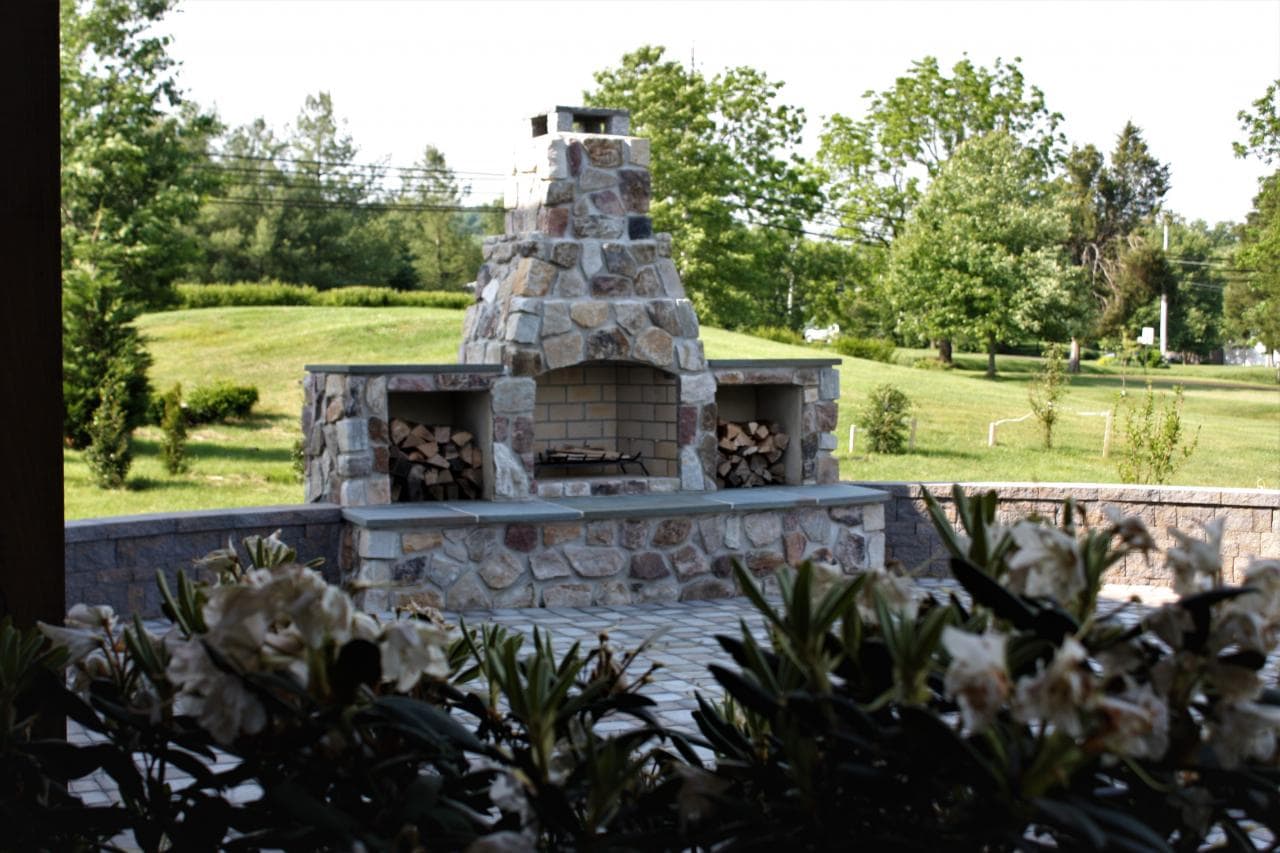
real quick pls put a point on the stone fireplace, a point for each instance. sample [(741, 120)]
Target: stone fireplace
[(581, 338)]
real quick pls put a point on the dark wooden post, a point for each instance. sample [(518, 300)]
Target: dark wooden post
[(32, 585)]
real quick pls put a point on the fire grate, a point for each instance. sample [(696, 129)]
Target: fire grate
[(569, 457)]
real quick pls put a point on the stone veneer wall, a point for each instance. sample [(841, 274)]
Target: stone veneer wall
[(609, 561), (1251, 528), (114, 560), (819, 383), (618, 407), (344, 422)]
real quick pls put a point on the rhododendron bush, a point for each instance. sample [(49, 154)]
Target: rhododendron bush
[(1021, 714)]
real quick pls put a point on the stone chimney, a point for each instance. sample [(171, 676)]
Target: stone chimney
[(580, 279)]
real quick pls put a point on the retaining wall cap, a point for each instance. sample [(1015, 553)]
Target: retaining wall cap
[(404, 368), (429, 514), (1110, 492), (738, 363), (195, 521)]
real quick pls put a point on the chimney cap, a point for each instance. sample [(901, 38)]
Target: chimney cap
[(596, 120)]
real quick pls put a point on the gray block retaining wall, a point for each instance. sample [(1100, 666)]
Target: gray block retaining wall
[(114, 560), (1252, 521)]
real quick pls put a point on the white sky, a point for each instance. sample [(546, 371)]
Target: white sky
[(459, 74)]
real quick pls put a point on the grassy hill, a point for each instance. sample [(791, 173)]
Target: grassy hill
[(1237, 410)]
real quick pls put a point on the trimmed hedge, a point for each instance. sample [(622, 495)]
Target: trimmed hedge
[(219, 402), (278, 293), (872, 349)]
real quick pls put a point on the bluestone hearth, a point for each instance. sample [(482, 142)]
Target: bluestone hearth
[(583, 448)]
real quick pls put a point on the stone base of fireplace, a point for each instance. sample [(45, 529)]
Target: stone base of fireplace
[(620, 549)]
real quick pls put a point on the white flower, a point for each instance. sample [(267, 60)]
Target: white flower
[(1170, 623), (1196, 563), (365, 627), (78, 642), (898, 592), (99, 617), (1243, 731), (1137, 722), (219, 701), (977, 677), (412, 648), (84, 630), (1056, 694), (1046, 563), (1260, 607), (316, 608)]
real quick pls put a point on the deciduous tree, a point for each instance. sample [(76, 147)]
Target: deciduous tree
[(981, 254), (877, 167), (1253, 301), (720, 165)]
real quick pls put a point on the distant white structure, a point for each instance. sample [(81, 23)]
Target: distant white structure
[(1254, 356), (825, 336)]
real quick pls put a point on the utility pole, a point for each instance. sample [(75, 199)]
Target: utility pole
[(1164, 302)]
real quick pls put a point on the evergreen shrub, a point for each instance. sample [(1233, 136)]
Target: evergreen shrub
[(173, 426), (883, 418)]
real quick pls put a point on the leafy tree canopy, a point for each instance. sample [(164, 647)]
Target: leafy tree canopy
[(130, 147), (1261, 127), (719, 168), (877, 166), (1253, 301), (980, 256), (1110, 202)]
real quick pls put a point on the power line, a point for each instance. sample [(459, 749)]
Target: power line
[(322, 204), (341, 165)]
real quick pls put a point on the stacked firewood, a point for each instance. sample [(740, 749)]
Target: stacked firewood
[(750, 454), (433, 463)]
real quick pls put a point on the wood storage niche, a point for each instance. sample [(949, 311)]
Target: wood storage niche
[(439, 446), (758, 435)]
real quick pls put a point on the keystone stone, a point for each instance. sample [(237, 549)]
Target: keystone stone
[(607, 344), (562, 350)]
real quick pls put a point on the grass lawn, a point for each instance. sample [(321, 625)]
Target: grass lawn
[(1237, 410)]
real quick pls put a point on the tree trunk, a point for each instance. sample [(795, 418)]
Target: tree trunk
[(944, 350), (1073, 365), (991, 357)]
